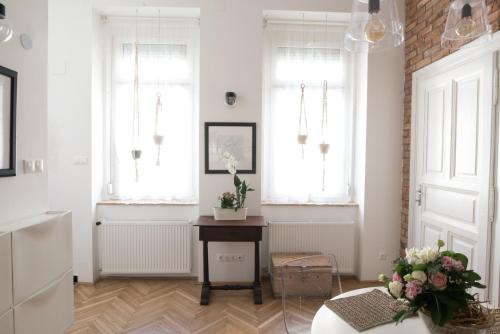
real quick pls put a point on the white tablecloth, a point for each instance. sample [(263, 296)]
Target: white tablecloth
[(327, 322)]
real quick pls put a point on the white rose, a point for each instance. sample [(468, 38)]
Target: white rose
[(427, 254), (419, 275), (411, 255), (396, 288)]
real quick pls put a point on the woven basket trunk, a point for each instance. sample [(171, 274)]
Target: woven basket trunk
[(312, 280)]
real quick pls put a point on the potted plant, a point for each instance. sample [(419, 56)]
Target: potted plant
[(437, 284), (232, 205)]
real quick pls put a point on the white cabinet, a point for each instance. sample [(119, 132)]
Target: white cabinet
[(5, 273), (7, 323), (41, 253), (49, 311), (36, 275)]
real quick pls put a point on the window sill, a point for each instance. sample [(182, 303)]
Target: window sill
[(146, 202), (340, 204)]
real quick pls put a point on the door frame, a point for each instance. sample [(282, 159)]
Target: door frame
[(456, 59)]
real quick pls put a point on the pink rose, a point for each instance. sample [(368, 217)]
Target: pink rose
[(413, 289), (458, 266), (396, 277), (447, 262), (439, 281)]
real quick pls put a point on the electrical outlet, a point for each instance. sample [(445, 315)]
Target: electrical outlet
[(230, 258)]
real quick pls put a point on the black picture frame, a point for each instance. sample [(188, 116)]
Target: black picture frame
[(252, 126), (12, 75)]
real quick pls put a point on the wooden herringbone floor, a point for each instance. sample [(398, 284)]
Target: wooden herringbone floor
[(143, 306)]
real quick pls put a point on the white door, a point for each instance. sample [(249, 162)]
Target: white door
[(453, 181)]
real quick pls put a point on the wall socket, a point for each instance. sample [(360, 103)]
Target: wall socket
[(230, 258)]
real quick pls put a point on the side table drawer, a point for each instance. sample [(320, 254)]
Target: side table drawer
[(220, 233)]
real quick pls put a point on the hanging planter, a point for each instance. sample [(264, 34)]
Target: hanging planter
[(324, 147), (303, 132), (136, 151), (158, 137)]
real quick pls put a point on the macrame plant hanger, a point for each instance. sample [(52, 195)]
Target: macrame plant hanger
[(136, 151), (303, 131), (324, 146), (158, 136)]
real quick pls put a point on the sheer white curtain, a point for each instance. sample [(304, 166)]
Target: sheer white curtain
[(308, 53), (167, 66)]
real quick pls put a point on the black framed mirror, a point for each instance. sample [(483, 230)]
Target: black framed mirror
[(8, 99)]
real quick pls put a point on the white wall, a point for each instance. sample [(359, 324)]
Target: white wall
[(231, 59), (70, 135), (380, 210), (26, 194)]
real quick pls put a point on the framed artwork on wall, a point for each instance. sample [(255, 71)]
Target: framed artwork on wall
[(237, 139), (8, 96)]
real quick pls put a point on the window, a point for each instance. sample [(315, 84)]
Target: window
[(309, 54), (167, 66)]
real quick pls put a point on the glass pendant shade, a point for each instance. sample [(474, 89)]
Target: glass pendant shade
[(467, 20), (375, 26), (6, 30)]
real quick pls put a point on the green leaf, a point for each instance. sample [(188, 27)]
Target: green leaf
[(462, 258), (237, 181), (420, 266), (400, 316), (478, 285)]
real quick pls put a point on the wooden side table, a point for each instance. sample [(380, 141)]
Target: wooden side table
[(249, 230)]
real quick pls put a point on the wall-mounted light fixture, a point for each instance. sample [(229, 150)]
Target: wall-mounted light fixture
[(231, 99), (6, 31)]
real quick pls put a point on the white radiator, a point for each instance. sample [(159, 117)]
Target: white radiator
[(337, 238), (144, 247)]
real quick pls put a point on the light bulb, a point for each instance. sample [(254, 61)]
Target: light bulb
[(6, 31), (465, 27), (375, 29)]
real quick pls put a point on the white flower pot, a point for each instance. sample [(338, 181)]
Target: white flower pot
[(230, 214)]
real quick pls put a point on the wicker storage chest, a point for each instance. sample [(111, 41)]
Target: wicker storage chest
[(307, 278)]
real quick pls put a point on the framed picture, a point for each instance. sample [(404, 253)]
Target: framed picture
[(8, 95), (237, 139)]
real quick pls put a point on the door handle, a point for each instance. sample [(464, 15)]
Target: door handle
[(418, 197)]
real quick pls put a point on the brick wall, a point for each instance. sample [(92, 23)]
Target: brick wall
[(425, 21)]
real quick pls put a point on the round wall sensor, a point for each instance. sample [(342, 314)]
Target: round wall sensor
[(26, 41)]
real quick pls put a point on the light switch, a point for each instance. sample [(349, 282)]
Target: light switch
[(39, 166), (81, 160), (29, 166)]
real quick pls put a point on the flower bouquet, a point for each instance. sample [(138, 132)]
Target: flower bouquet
[(232, 205), (437, 284)]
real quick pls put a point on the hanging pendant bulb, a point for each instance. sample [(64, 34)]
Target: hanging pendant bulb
[(324, 146), (375, 26), (303, 131), (136, 151), (6, 30), (467, 20)]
